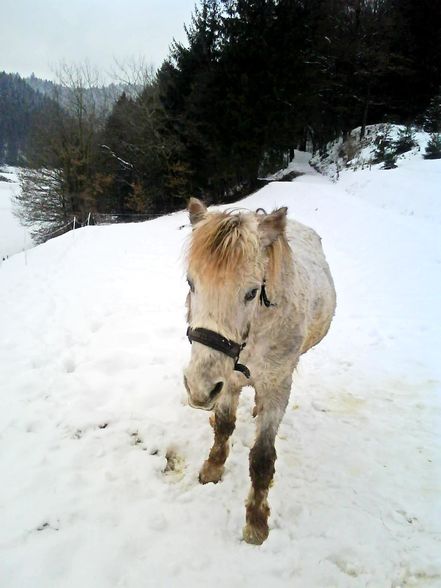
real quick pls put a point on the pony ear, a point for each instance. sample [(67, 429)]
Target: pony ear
[(272, 226), (196, 209)]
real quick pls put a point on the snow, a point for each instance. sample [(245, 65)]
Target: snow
[(92, 347), (301, 164), (377, 187), (13, 236), (354, 153)]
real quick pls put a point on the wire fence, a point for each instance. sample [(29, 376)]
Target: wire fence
[(61, 230), (93, 218), (99, 218)]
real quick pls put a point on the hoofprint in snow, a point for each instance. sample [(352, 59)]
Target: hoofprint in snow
[(13, 236), (100, 453)]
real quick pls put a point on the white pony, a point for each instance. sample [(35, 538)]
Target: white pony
[(259, 287)]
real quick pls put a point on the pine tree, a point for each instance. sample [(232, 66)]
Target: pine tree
[(432, 115), (405, 141), (433, 149)]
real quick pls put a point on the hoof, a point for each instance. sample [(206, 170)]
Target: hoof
[(255, 535), (210, 473)]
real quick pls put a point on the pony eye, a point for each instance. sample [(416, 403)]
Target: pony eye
[(250, 295), (191, 285)]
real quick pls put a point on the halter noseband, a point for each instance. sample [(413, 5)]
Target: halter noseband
[(220, 343)]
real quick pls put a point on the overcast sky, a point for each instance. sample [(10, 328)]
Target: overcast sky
[(36, 35)]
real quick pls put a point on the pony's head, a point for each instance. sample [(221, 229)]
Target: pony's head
[(229, 256)]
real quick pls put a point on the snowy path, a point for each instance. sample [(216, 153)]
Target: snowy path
[(298, 166), (92, 346)]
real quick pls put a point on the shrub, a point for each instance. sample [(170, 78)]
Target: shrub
[(405, 142), (383, 144), (433, 149), (390, 160)]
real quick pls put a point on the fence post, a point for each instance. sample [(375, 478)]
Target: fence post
[(25, 248)]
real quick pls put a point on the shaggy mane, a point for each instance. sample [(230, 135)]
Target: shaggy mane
[(223, 244)]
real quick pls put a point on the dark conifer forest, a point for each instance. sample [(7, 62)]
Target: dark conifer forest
[(19, 104), (254, 80)]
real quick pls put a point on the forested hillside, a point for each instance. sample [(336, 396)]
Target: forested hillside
[(254, 80), (19, 104), (257, 78)]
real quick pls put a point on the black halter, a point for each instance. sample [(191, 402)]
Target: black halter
[(221, 343), (263, 298)]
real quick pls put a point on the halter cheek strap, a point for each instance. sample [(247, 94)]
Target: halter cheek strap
[(263, 298), (220, 343)]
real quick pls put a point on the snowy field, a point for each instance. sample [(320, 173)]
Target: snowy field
[(13, 236), (92, 347)]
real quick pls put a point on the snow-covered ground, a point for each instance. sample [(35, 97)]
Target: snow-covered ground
[(13, 236), (92, 346)]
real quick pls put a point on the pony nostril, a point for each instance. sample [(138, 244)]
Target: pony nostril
[(216, 390)]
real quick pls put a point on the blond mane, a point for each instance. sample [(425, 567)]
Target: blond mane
[(226, 244)]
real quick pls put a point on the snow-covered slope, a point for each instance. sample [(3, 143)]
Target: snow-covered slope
[(13, 236), (92, 346), (356, 153)]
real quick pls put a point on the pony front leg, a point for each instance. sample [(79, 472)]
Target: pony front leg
[(223, 422), (262, 459)]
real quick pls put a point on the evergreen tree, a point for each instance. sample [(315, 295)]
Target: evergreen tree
[(433, 149), (432, 115)]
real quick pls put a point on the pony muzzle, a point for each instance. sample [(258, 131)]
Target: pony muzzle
[(205, 397)]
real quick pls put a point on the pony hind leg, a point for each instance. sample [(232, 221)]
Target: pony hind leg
[(223, 422), (262, 464)]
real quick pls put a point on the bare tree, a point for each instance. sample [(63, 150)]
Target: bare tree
[(41, 203), (134, 75), (62, 181)]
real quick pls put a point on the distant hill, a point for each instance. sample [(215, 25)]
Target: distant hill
[(46, 87), (104, 96), (19, 103), (22, 98)]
